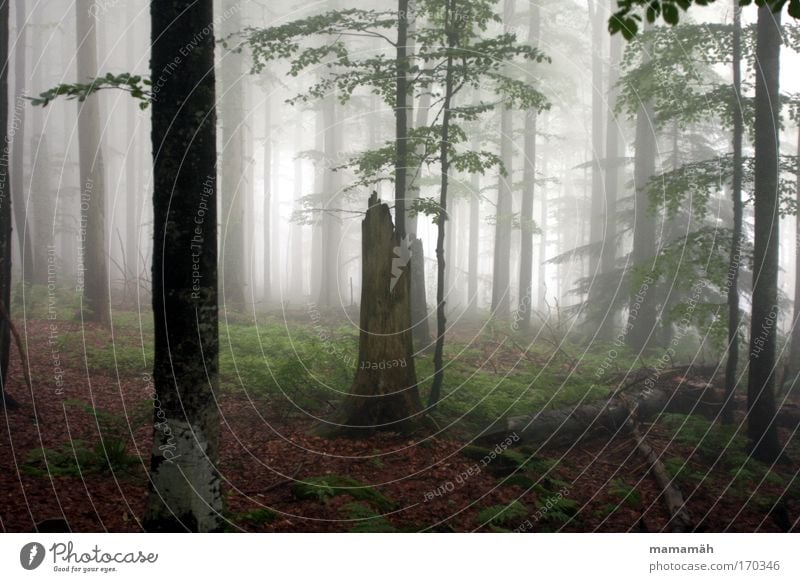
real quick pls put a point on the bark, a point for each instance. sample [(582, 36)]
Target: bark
[(441, 322), (526, 211), (419, 306), (132, 221), (572, 424), (596, 219), (793, 368), (763, 328), (95, 284), (5, 205), (734, 319), (501, 274), (401, 119), (679, 521), (296, 285), (642, 305), (267, 293), (331, 222), (614, 138), (474, 239), (17, 137), (184, 482), (384, 394), (232, 190)]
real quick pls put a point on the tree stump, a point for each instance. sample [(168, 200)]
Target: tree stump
[(384, 394)]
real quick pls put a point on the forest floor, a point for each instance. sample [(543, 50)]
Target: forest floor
[(78, 448)]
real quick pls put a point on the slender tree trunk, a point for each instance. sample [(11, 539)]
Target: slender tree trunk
[(544, 229), (5, 205), (642, 305), (474, 240), (131, 250), (184, 481), (793, 368), (608, 254), (732, 363), (598, 107), (18, 145), (441, 321), (95, 270), (296, 286), (331, 222), (267, 242), (763, 327), (528, 186), (501, 275), (401, 119)]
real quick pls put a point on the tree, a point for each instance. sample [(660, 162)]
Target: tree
[(734, 317), (232, 181), (94, 272), (528, 185), (5, 208), (17, 177), (184, 482), (761, 409), (763, 319)]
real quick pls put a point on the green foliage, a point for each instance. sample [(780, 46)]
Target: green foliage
[(327, 487), (628, 17), (502, 515), (368, 520), (627, 494), (75, 459), (259, 516), (136, 85)]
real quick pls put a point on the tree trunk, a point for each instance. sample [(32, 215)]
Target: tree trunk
[(608, 253), (441, 219), (131, 250), (184, 482), (18, 145), (598, 107), (732, 363), (642, 306), (296, 285), (267, 293), (331, 222), (232, 192), (95, 285), (763, 328), (793, 368), (474, 239), (5, 205), (528, 186), (384, 395)]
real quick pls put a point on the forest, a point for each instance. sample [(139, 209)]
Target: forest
[(400, 266)]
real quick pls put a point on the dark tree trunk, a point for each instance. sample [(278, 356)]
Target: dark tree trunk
[(763, 328), (401, 120), (184, 482), (642, 305), (5, 205), (95, 270), (732, 363), (441, 322), (384, 395), (528, 186), (18, 146)]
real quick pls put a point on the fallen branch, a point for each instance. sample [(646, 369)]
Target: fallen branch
[(679, 520)]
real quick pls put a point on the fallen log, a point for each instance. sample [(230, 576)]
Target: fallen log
[(569, 425), (679, 521)]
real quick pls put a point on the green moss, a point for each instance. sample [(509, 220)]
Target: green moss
[(326, 487)]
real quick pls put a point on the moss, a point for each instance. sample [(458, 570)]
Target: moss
[(329, 486)]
